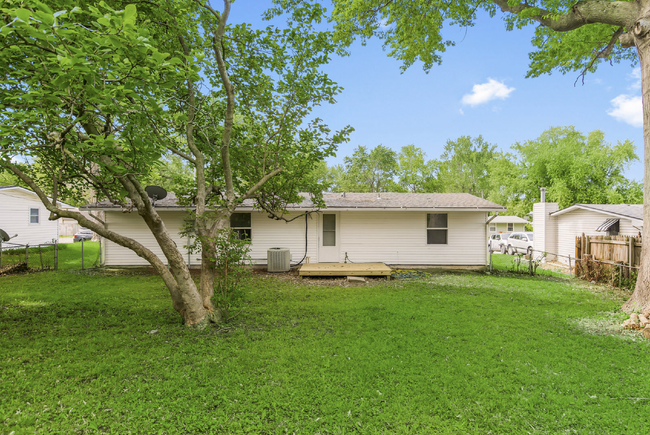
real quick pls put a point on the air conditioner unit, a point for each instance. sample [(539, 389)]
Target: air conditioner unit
[(278, 259)]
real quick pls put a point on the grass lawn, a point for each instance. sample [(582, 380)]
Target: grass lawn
[(69, 256), (505, 262), (447, 353)]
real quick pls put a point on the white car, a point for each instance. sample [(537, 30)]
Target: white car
[(496, 241), (520, 242)]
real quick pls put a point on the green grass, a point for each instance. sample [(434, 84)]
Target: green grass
[(508, 263), (69, 256), (448, 353)]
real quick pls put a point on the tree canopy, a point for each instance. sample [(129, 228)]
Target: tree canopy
[(574, 167), (464, 166), (103, 94)]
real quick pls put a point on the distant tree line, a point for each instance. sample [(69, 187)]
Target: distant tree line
[(574, 168)]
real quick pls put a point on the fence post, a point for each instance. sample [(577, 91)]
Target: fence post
[(40, 253), (620, 275), (630, 254), (0, 252), (27, 254), (82, 254), (570, 266), (56, 255), (100, 252)]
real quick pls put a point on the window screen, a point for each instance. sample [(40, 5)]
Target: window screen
[(437, 229), (240, 223), (33, 215)]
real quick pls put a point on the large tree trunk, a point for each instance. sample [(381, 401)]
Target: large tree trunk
[(640, 299)]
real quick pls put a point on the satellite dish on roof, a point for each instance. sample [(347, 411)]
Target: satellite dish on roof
[(5, 237), (155, 192)]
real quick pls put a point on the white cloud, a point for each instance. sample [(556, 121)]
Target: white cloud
[(489, 91), (627, 109), (461, 112)]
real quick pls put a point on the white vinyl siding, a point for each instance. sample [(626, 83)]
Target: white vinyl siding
[(393, 237), (502, 227), (131, 225), (16, 214), (574, 223), (400, 237), (266, 233), (270, 233)]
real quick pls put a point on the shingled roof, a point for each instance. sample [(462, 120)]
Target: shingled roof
[(337, 201)]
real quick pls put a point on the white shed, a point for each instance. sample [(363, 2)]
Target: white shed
[(23, 214), (556, 230), (445, 229)]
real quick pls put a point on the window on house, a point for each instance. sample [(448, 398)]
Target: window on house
[(240, 223), (493, 228), (329, 230), (511, 227), (436, 228), (33, 216)]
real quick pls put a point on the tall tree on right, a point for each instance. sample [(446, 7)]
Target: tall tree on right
[(570, 36), (575, 168)]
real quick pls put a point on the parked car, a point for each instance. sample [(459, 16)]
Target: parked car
[(520, 242), (496, 241), (83, 234)]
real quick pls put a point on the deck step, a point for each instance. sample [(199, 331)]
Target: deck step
[(344, 269)]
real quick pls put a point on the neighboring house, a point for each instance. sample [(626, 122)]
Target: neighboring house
[(23, 213), (555, 230), (445, 229), (68, 227), (506, 224)]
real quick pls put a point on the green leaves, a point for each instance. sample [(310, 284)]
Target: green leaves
[(85, 60), (413, 30), (573, 167)]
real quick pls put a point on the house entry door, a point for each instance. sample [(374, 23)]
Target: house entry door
[(328, 245)]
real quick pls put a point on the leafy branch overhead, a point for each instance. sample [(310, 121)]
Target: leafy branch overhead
[(99, 97), (412, 31)]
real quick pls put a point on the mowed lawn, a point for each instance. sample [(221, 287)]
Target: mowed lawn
[(446, 353)]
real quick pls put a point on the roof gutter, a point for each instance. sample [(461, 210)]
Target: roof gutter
[(330, 209)]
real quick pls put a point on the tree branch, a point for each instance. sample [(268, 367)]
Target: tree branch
[(616, 13), (217, 38), (260, 183), (602, 54)]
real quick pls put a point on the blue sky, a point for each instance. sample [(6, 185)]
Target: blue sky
[(479, 89)]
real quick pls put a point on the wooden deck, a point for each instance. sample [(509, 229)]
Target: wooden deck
[(344, 269)]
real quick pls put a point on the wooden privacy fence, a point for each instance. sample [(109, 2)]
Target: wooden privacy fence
[(610, 249), (608, 258)]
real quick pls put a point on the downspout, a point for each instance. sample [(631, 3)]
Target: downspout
[(488, 254)]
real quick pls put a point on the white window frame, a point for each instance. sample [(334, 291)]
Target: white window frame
[(511, 228), (335, 230), (493, 228), (249, 228), (38, 216), (446, 229)]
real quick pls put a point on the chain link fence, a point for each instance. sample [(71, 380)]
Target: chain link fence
[(18, 258)]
